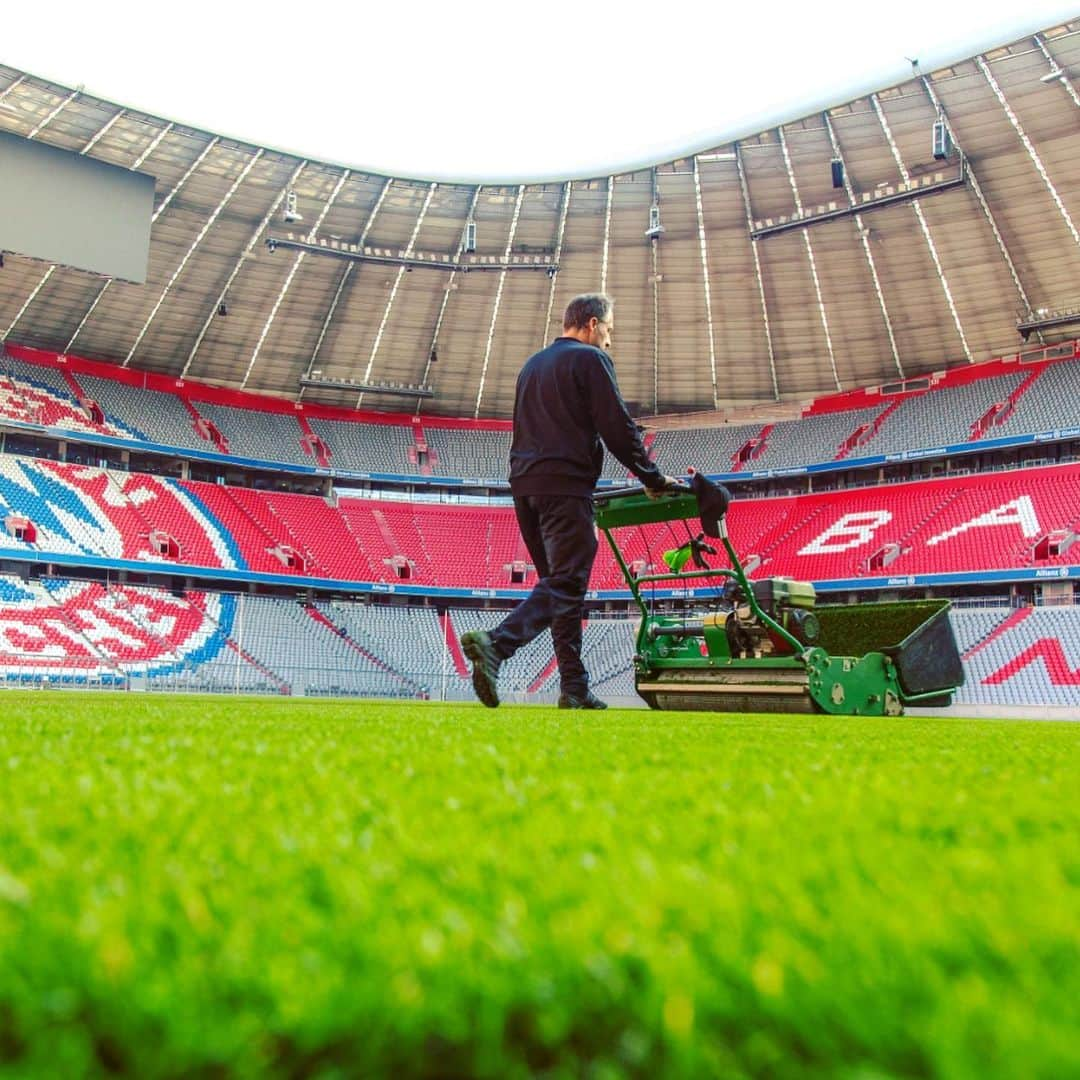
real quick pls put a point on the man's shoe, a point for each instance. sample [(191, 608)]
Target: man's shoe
[(476, 645), (589, 701)]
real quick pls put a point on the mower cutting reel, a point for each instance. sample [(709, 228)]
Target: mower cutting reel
[(766, 646)]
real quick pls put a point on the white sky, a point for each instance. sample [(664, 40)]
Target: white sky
[(489, 89)]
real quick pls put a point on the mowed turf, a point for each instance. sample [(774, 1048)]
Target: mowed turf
[(213, 887)]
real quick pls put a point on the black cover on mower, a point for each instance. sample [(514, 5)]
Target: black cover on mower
[(713, 500)]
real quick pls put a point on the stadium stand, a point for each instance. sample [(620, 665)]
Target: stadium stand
[(65, 632), (62, 632), (306, 652), (1020, 519), (368, 448), (252, 433), (791, 443), (469, 452), (409, 642), (1049, 404), (940, 417), (248, 536), (991, 404), (151, 414), (35, 394), (607, 650), (707, 449), (1034, 657)]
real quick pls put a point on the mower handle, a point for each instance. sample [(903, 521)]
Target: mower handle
[(680, 487)]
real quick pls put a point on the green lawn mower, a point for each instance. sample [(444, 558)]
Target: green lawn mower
[(767, 646)]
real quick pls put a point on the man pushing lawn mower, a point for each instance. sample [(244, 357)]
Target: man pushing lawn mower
[(567, 401)]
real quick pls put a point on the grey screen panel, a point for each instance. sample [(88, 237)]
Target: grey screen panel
[(73, 210)]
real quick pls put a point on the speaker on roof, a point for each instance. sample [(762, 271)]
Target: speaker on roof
[(470, 237), (837, 166), (942, 143)]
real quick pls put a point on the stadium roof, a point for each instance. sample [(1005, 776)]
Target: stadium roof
[(766, 283)]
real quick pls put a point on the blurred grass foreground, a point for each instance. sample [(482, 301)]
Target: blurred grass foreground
[(211, 887)]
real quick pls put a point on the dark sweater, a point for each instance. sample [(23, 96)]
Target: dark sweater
[(567, 400)]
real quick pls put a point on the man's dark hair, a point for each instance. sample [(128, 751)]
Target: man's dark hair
[(585, 307)]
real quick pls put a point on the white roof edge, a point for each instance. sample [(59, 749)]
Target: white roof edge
[(1004, 33)]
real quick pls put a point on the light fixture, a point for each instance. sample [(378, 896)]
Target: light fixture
[(315, 379), (292, 215), (655, 229), (1054, 73), (223, 308)]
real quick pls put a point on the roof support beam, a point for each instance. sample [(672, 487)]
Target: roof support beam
[(449, 288), (53, 267), (976, 187), (864, 237), (654, 242), (397, 283), (559, 233), (346, 275), (607, 233), (157, 213), (292, 274), (27, 302), (879, 112), (1032, 152), (244, 256), (207, 226), (704, 281), (810, 258), (498, 300), (11, 86), (95, 139), (757, 268), (49, 119)]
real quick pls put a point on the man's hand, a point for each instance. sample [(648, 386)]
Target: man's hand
[(668, 483)]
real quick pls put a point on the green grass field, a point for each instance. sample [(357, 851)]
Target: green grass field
[(210, 887)]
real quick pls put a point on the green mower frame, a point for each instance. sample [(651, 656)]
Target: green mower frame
[(766, 646)]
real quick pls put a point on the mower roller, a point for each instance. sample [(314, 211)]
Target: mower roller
[(766, 646)]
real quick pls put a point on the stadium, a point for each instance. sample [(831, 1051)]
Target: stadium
[(268, 463)]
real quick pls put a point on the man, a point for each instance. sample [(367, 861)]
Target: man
[(567, 400)]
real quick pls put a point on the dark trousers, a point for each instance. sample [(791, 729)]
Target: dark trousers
[(558, 531)]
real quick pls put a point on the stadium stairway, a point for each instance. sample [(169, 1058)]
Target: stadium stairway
[(997, 414), (451, 637), (865, 432), (996, 630), (342, 632), (319, 450)]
